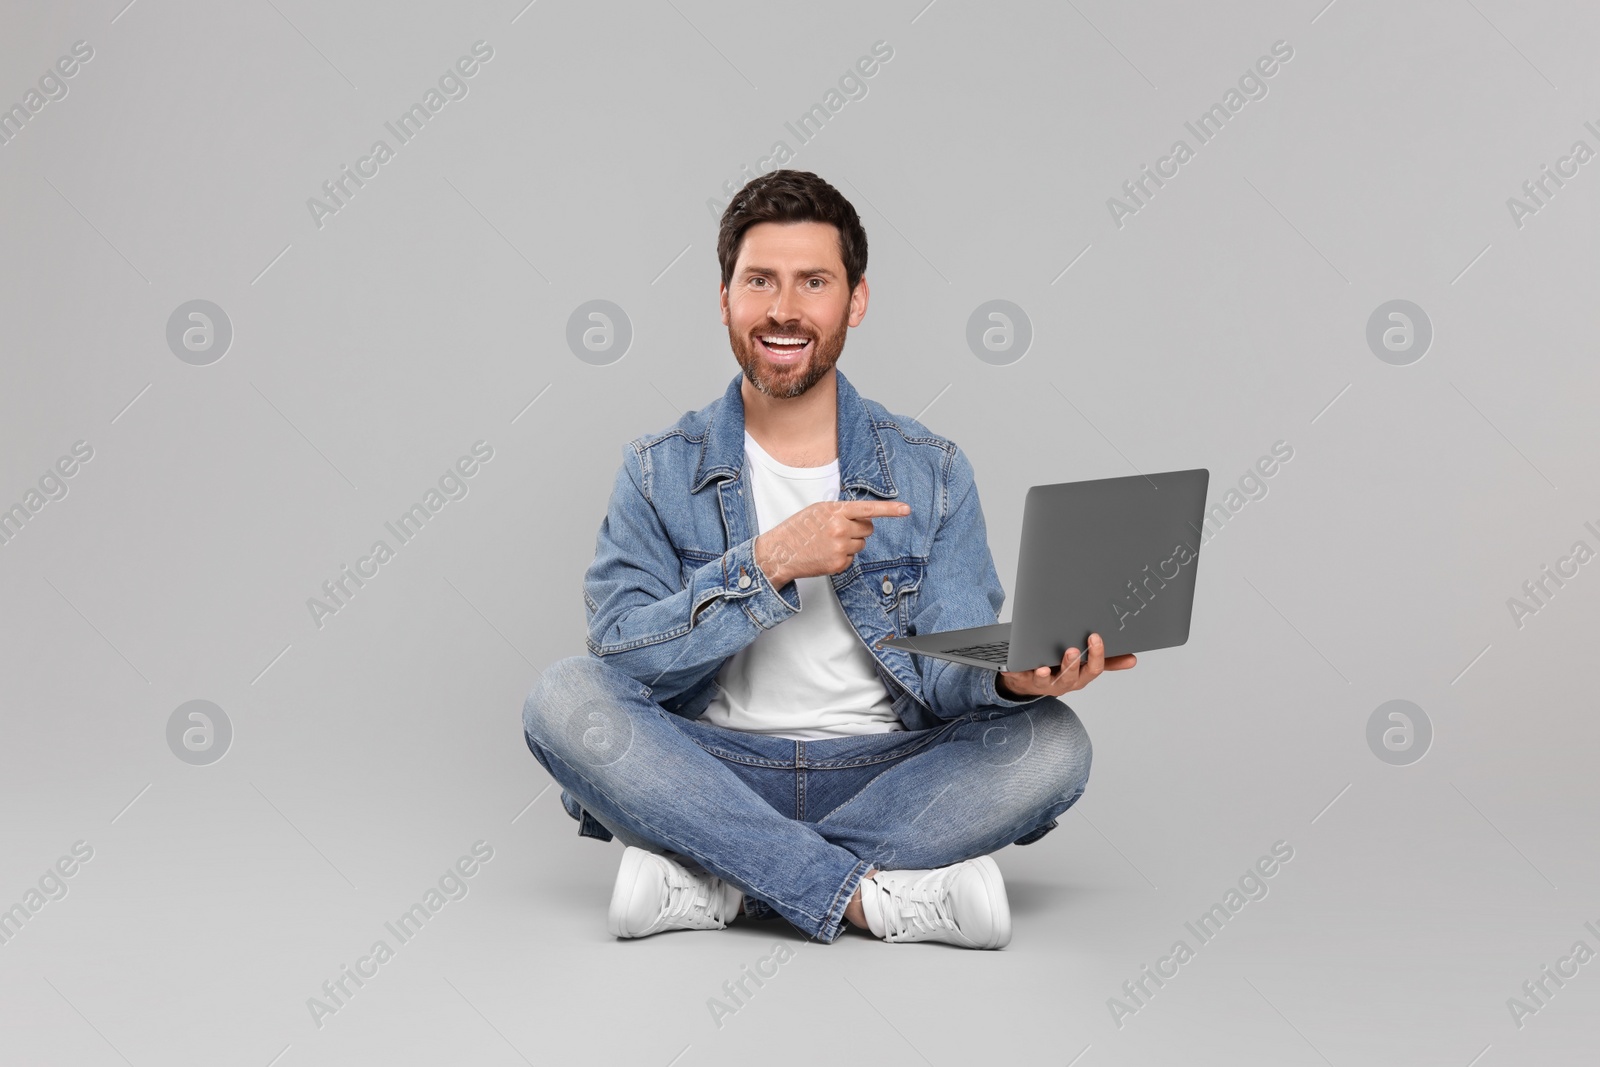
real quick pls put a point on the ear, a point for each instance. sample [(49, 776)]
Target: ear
[(722, 300), (858, 302)]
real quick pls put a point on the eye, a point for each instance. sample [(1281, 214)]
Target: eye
[(816, 283)]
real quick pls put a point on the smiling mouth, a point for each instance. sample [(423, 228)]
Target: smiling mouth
[(784, 348)]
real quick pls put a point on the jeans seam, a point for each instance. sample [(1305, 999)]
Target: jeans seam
[(733, 757), (857, 793), (867, 761), (800, 794), (845, 764), (846, 801), (917, 748)]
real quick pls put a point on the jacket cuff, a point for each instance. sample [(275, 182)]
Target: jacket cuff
[(746, 582), (992, 694)]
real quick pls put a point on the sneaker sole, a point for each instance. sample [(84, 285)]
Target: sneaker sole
[(628, 876), (996, 886)]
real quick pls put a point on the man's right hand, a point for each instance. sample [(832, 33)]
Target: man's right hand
[(820, 539)]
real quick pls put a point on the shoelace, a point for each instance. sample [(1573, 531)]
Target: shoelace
[(918, 910), (693, 902)]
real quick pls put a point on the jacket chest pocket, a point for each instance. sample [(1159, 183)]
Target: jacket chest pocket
[(895, 585)]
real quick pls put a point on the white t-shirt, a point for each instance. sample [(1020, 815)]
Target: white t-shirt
[(810, 677)]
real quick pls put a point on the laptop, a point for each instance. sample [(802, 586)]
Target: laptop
[(1112, 556)]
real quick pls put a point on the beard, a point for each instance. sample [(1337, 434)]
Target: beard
[(788, 382)]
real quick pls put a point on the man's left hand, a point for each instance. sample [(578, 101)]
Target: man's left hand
[(1075, 672)]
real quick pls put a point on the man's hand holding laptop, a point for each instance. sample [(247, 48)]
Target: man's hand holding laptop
[(1074, 673)]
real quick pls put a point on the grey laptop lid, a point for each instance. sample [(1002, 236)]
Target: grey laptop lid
[(1113, 556)]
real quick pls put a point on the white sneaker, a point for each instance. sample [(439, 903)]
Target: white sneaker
[(654, 893), (962, 904)]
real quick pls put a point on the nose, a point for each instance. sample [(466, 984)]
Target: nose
[(785, 307)]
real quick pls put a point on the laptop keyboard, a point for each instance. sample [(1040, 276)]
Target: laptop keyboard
[(993, 652)]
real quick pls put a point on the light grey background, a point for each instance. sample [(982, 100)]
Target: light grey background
[(369, 354)]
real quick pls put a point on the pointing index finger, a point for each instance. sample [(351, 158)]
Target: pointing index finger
[(861, 509)]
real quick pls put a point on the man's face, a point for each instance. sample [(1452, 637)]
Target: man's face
[(789, 285)]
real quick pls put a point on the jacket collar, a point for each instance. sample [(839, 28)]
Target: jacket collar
[(863, 461)]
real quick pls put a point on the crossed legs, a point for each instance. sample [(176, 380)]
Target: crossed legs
[(631, 765)]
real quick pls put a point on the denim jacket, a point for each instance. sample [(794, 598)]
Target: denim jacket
[(674, 590)]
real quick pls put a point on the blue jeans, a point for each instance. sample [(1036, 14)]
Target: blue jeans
[(796, 824)]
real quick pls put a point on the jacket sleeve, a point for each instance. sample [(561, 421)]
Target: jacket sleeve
[(962, 590), (644, 619)]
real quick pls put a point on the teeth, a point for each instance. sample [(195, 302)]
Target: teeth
[(785, 340)]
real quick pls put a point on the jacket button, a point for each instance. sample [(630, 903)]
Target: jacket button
[(888, 587), (744, 581)]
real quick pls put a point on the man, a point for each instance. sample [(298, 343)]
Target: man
[(739, 725)]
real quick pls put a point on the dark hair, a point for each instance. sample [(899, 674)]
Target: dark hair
[(792, 196)]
